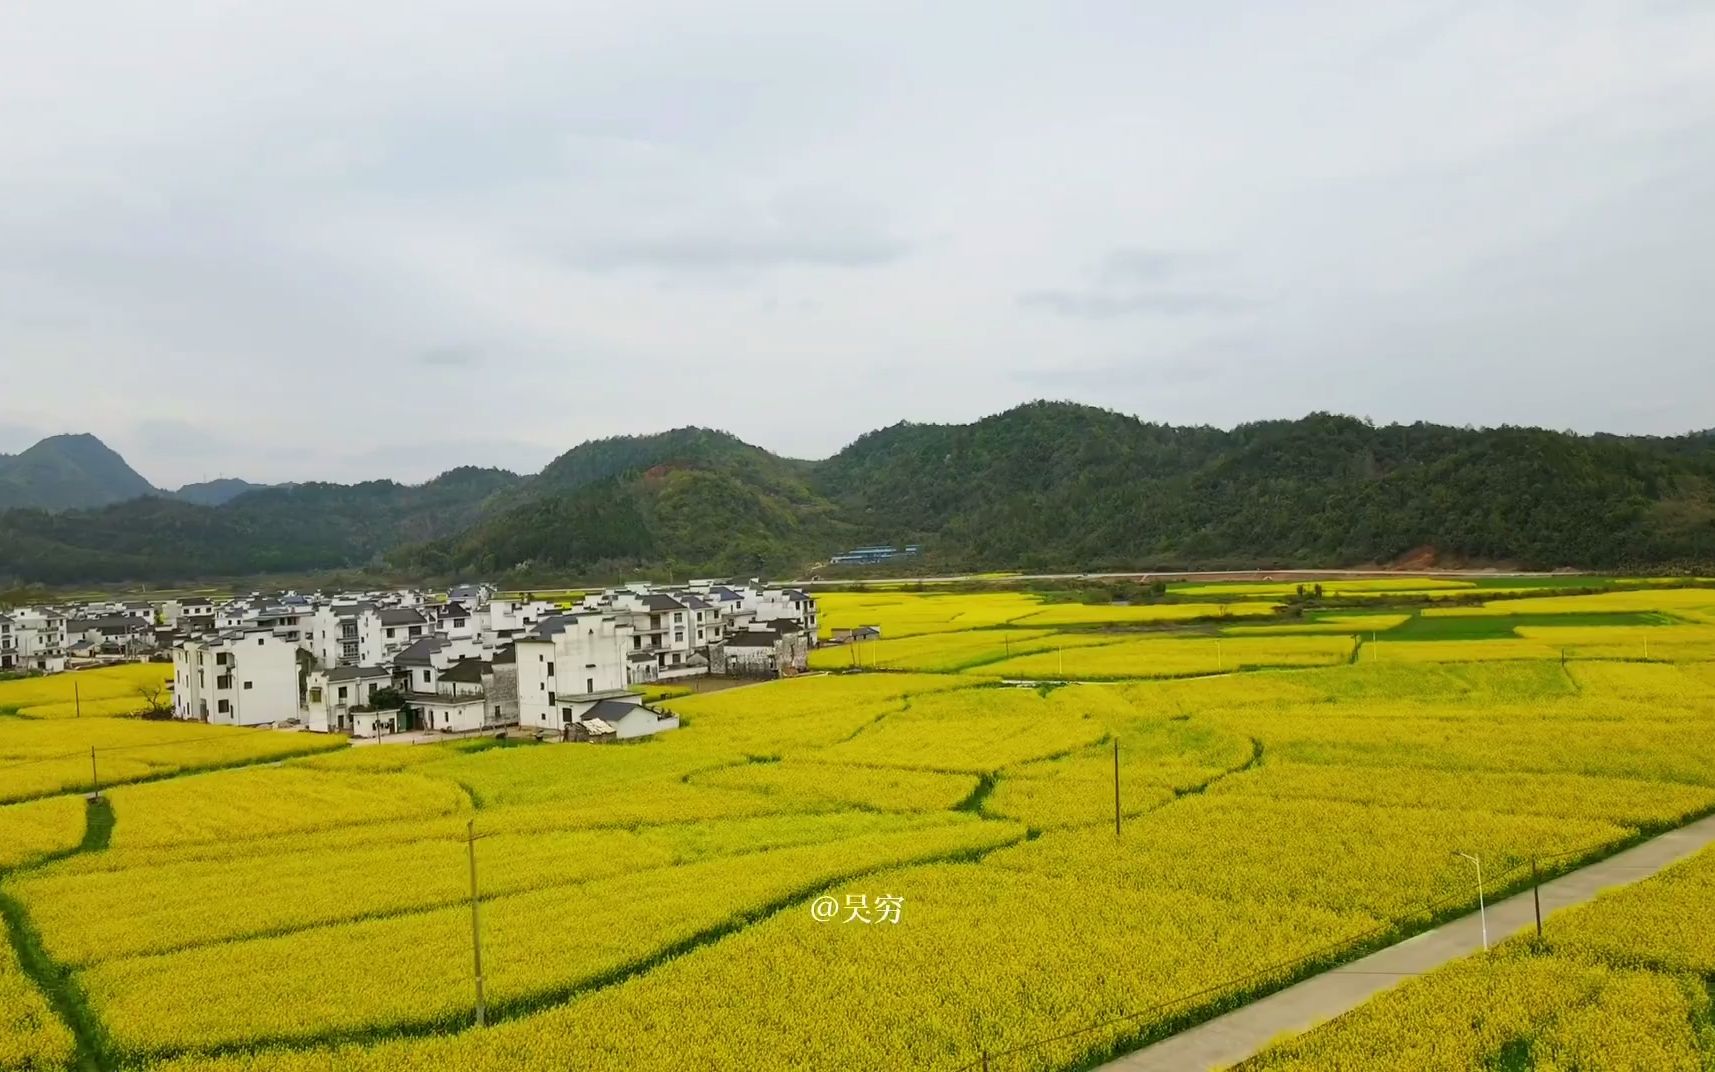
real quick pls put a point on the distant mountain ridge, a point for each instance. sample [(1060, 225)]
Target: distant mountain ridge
[(67, 471), (215, 492), (78, 471), (1047, 485)]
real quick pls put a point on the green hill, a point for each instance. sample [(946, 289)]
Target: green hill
[(1049, 486), (68, 471)]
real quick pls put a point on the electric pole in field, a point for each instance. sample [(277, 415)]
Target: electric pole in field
[(1116, 787), (94, 777), (475, 923)]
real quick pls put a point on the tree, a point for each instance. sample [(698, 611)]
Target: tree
[(388, 699), (155, 700)]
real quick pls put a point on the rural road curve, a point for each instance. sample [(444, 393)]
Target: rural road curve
[(1239, 1034)]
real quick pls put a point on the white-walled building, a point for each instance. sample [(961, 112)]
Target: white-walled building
[(574, 661), (330, 695), (777, 649), (241, 678), (186, 607), (39, 639), (468, 696)]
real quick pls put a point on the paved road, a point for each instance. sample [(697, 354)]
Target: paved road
[(1193, 575), (1237, 1035)]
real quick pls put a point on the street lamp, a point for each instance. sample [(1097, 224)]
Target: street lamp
[(1482, 911)]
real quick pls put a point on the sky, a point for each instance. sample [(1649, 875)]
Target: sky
[(313, 240)]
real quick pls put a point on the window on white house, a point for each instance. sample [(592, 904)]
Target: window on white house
[(247, 684), (425, 677), (342, 692)]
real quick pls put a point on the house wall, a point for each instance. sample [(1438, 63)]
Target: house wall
[(587, 656), (262, 673)]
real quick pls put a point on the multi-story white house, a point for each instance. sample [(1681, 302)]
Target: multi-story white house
[(39, 635), (783, 604), (419, 667), (362, 634), (471, 694), (572, 663), (241, 678), (330, 695), (778, 648), (186, 607)]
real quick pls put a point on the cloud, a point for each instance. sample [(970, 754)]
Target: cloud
[(461, 355), (1105, 305), (177, 438), (567, 221), (693, 252), (1139, 264)]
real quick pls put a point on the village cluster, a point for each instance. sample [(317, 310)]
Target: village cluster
[(468, 660)]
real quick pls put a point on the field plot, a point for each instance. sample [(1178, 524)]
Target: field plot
[(109, 691), (1621, 983), (1145, 613), (1173, 657), (1359, 586), (41, 757), (1362, 625), (1281, 804), (1645, 601), (32, 1037), (902, 614)]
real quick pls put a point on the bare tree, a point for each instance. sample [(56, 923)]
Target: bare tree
[(157, 704)]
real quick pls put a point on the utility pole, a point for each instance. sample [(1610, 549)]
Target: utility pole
[(1482, 910), (94, 777), (1536, 895), (77, 698), (1116, 787), (475, 924)]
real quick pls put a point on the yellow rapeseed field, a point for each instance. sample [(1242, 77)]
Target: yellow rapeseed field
[(32, 1037), (110, 690), (650, 904), (1616, 984), (1173, 657), (40, 757)]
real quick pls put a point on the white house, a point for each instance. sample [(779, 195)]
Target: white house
[(186, 607), (241, 678), (400, 628), (349, 633), (330, 695), (618, 718), (778, 649), (420, 666), (465, 698), (573, 661), (39, 639)]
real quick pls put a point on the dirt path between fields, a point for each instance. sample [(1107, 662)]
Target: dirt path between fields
[(1237, 1035)]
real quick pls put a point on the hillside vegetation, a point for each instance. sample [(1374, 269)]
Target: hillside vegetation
[(1043, 486)]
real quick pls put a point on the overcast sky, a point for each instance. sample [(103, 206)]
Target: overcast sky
[(297, 239)]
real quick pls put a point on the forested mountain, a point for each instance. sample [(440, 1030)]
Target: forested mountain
[(302, 527), (215, 492), (67, 471), (1043, 486)]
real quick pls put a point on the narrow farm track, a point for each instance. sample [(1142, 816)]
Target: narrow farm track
[(1239, 1034)]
